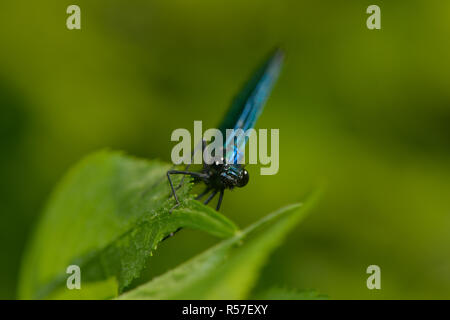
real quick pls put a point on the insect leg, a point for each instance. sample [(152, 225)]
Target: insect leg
[(170, 235), (192, 159), (193, 174), (210, 197), (220, 200)]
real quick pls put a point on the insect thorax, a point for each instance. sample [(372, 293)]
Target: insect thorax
[(226, 176)]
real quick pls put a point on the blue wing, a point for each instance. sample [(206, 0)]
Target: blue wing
[(248, 105)]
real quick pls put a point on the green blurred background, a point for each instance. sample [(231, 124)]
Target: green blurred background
[(366, 111)]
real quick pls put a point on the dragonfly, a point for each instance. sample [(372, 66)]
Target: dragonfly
[(226, 171)]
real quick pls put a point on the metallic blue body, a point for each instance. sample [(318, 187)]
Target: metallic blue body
[(248, 106), (228, 172)]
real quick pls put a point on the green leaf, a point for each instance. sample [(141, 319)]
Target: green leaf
[(277, 293), (230, 269), (107, 216)]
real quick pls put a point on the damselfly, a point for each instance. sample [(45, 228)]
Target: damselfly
[(226, 171)]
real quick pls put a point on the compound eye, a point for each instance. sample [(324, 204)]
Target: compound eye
[(244, 179)]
